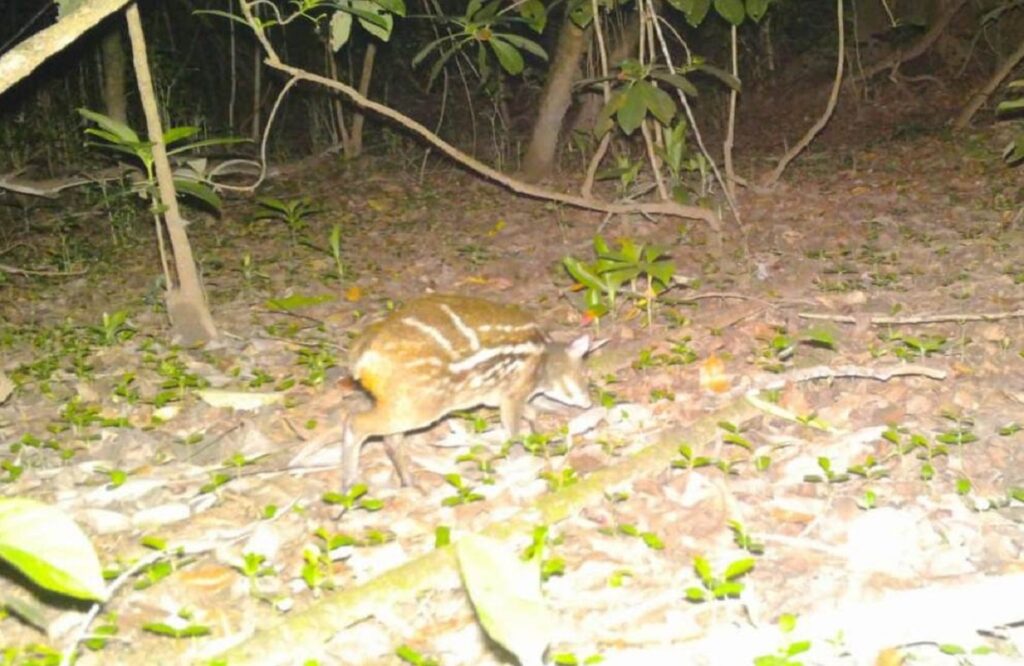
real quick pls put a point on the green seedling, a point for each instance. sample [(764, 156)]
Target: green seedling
[(113, 329), (117, 477), (13, 472), (630, 263), (463, 493), (543, 445), (830, 476), (153, 574), (721, 587), (294, 213), (744, 540), (411, 656), (101, 633), (549, 566), (679, 159), (355, 498), (254, 565), (217, 479), (688, 460), (442, 536), (680, 353), (650, 539), (250, 274), (125, 390), (259, 379), (917, 346), (1010, 429), (189, 180), (869, 469), (625, 170), (316, 361), (177, 379), (784, 656), (868, 501), (570, 659), (483, 457), (187, 629), (662, 394), (560, 480), (618, 577)]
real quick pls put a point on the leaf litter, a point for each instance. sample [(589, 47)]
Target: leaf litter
[(860, 499)]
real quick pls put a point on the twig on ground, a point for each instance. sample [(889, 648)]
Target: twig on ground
[(882, 320)]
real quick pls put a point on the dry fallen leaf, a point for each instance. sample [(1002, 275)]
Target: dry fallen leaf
[(712, 375)]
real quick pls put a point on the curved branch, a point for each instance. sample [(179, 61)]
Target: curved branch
[(670, 208), (774, 176)]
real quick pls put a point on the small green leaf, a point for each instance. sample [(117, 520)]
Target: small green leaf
[(731, 10), (509, 56)]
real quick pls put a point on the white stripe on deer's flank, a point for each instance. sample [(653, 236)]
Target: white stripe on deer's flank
[(507, 328), (424, 360), (467, 332), (484, 355), (435, 334)]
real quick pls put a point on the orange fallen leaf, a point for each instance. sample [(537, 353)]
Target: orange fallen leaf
[(353, 294), (712, 375)]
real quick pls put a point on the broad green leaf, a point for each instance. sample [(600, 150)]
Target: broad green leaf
[(604, 119), (659, 102), (720, 74), (582, 273), (215, 141), (756, 9), (534, 14), (396, 7), (662, 271), (677, 81), (505, 592), (633, 110), (123, 133), (427, 50), (200, 191), (702, 567), (731, 10), (509, 56), (298, 301), (581, 13), (524, 44), (738, 568), (1010, 105), (694, 10), (341, 29), (179, 133), (48, 547), (373, 18)]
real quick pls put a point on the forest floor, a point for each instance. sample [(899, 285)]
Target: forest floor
[(880, 513)]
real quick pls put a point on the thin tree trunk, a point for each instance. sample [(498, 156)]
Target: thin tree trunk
[(186, 301), (355, 148), (979, 98), (115, 66), (565, 67)]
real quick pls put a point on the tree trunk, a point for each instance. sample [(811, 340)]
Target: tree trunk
[(355, 147), (115, 66), (186, 301), (565, 67)]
